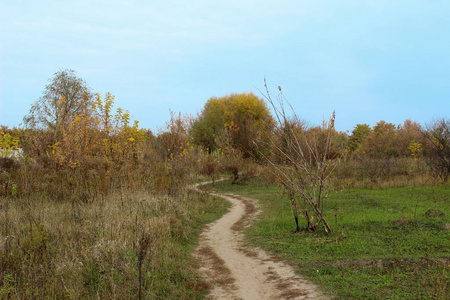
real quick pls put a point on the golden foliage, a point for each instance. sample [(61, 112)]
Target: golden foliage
[(98, 133), (7, 143)]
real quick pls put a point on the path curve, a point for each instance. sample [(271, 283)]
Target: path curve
[(234, 271)]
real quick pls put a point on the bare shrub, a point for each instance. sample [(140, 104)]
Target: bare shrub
[(307, 161)]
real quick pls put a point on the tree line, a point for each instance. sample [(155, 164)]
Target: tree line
[(71, 128)]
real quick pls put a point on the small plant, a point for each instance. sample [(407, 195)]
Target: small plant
[(7, 288)]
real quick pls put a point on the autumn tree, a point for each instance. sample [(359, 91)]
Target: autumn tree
[(177, 157), (409, 136), (358, 136), (437, 152), (174, 137), (99, 133), (244, 119), (381, 141), (64, 97)]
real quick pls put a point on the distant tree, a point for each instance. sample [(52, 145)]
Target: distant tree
[(377, 150), (380, 142), (64, 97), (340, 142), (209, 124), (437, 151), (174, 138), (409, 135), (358, 136), (243, 118)]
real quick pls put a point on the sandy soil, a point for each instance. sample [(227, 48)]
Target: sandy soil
[(235, 271)]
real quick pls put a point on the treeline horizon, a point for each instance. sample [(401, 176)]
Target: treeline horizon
[(71, 118)]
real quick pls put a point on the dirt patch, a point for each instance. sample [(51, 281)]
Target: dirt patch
[(403, 221), (219, 273), (248, 216), (434, 213)]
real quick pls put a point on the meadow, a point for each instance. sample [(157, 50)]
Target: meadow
[(388, 243)]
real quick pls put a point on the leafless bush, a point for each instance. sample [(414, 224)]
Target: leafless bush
[(307, 163)]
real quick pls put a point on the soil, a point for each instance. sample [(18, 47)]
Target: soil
[(234, 270)]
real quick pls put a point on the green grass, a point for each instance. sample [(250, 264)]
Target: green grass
[(371, 254)]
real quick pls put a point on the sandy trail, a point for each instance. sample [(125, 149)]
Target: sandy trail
[(236, 272)]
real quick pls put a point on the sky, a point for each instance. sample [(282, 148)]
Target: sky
[(367, 60)]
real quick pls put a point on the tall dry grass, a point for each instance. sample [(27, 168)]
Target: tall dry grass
[(99, 231)]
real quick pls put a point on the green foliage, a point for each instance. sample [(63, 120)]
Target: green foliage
[(359, 134), (34, 243), (7, 288)]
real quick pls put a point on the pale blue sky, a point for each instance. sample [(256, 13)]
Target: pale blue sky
[(368, 60)]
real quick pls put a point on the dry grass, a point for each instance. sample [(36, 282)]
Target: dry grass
[(82, 234), (77, 250)]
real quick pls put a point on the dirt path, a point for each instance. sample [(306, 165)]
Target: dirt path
[(236, 272)]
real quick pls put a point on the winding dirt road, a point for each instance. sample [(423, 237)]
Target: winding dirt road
[(235, 271)]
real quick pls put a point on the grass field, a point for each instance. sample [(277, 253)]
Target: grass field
[(387, 243), (103, 249)]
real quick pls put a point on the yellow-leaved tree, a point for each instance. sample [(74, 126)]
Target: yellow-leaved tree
[(7, 143), (241, 121), (98, 133)]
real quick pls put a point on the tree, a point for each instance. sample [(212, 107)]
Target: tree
[(381, 141), (437, 151), (98, 134), (244, 119), (173, 139), (64, 97), (409, 135), (308, 163), (377, 150), (358, 136)]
